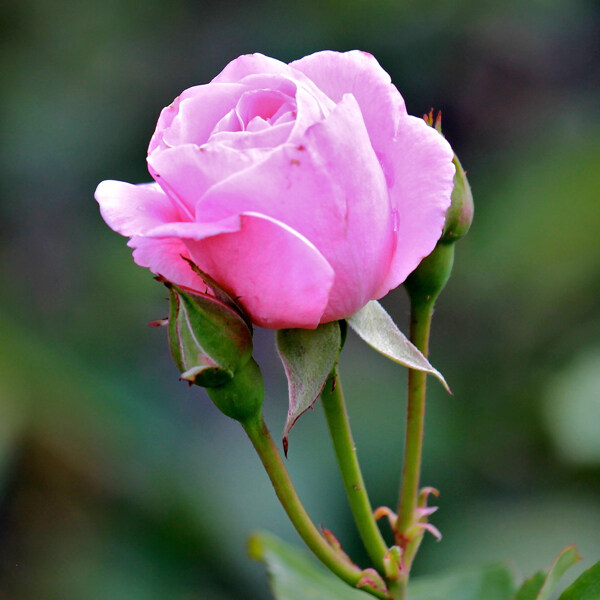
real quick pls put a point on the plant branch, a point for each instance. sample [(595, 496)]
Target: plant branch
[(345, 450), (335, 561)]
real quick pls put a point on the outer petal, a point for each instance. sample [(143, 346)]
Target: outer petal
[(423, 181), (163, 257), (281, 279), (331, 189), (186, 172), (249, 64), (360, 74), (134, 209), (195, 231)]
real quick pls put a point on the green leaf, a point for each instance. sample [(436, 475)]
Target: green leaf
[(295, 576), (541, 585), (375, 326), (585, 587), (531, 587), (308, 356), (493, 582)]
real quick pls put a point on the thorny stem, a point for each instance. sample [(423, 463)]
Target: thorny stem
[(420, 324), (345, 450), (271, 459)]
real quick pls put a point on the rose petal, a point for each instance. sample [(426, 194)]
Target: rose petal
[(359, 74), (417, 165), (330, 188), (195, 231), (249, 64), (163, 257), (191, 117), (423, 181), (262, 140), (186, 172), (134, 209), (281, 279)]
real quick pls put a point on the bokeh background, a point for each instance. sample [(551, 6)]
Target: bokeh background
[(117, 481)]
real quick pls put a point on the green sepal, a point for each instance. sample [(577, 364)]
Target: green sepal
[(373, 324), (426, 282), (460, 214), (220, 293), (242, 397), (308, 357), (209, 340)]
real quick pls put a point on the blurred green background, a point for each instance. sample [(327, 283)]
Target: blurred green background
[(117, 481)]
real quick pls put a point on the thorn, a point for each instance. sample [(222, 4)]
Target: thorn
[(159, 322), (423, 526), (425, 511), (371, 579), (284, 442), (384, 511), (425, 492)]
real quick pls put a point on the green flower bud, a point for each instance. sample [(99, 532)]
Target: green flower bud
[(210, 341), (460, 213), (241, 398), (426, 282)]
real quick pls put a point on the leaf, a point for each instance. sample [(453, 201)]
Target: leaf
[(493, 582), (375, 326), (531, 587), (294, 575), (585, 587), (308, 356), (541, 585)]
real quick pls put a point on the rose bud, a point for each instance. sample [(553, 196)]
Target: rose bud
[(210, 342), (426, 282), (241, 398), (460, 214), (304, 189)]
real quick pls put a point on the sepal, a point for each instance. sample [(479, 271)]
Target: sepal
[(308, 357), (460, 213), (209, 340), (373, 324), (242, 397)]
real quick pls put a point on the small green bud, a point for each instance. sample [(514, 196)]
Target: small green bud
[(241, 398), (460, 214), (426, 282), (210, 342)]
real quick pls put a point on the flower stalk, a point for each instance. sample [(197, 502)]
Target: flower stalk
[(332, 398), (333, 559), (420, 325), (423, 286)]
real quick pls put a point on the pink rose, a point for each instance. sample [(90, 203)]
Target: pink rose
[(306, 189)]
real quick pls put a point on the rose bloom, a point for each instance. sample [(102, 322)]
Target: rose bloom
[(305, 190)]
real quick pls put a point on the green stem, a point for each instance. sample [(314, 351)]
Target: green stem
[(271, 459), (345, 450), (420, 324)]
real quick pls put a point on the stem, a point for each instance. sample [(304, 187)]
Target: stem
[(420, 324), (345, 450), (271, 459)]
